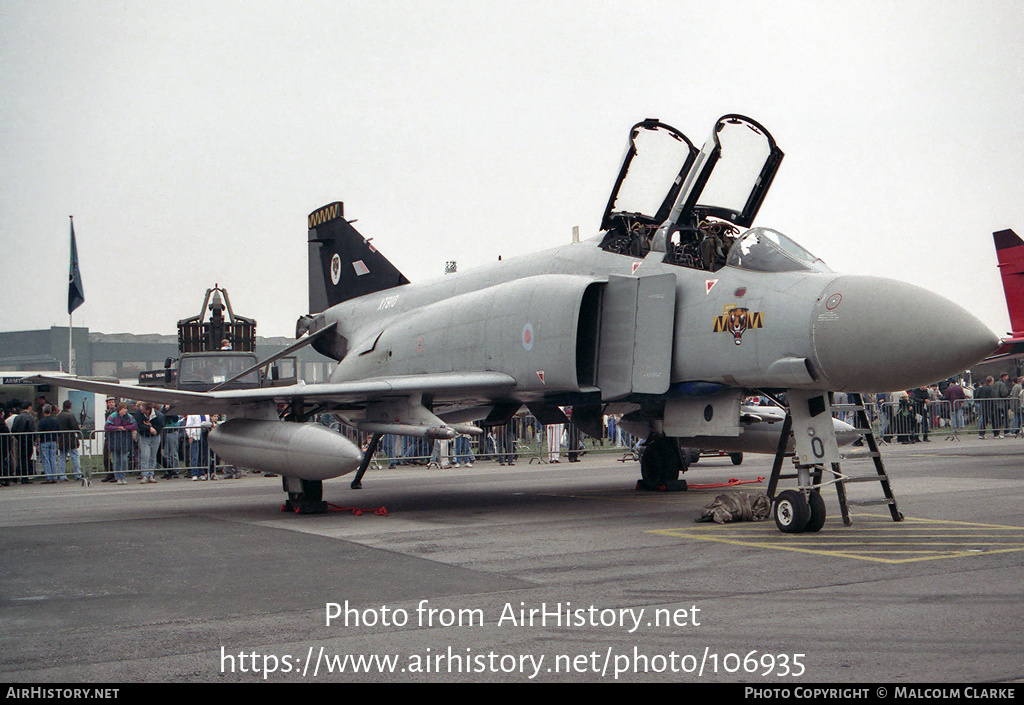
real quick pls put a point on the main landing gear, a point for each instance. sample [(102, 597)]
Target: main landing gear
[(661, 464), (304, 496), (307, 496)]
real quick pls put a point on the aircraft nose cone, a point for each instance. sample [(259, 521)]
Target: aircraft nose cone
[(876, 335)]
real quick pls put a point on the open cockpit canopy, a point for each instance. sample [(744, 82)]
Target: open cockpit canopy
[(657, 161), (690, 205)]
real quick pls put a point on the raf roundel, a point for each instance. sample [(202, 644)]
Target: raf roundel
[(528, 336)]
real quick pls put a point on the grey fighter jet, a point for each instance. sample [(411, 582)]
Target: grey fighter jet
[(669, 316)]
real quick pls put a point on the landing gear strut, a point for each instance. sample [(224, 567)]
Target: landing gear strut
[(817, 453), (357, 482)]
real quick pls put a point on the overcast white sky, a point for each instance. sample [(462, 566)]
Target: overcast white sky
[(191, 139)]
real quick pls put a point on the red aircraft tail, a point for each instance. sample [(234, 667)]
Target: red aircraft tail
[(1010, 250)]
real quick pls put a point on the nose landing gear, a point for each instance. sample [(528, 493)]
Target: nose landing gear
[(795, 513), (817, 453)]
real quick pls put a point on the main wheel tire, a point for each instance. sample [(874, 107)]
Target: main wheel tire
[(313, 490), (686, 456), (817, 506), (791, 512), (736, 458), (649, 468), (660, 462)]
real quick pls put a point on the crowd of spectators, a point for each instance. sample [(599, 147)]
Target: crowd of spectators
[(951, 407), (140, 440), (132, 439)]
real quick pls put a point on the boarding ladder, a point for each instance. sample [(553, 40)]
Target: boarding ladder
[(812, 478)]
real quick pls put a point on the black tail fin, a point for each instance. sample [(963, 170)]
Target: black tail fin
[(342, 263)]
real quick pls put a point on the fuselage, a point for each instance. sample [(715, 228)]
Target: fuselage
[(542, 318)]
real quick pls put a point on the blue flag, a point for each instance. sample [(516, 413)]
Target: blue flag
[(76, 294)]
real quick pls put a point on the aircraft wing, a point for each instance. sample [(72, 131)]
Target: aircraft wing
[(155, 395), (444, 385), (1008, 347)]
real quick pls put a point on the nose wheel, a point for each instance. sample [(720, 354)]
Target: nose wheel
[(817, 506), (796, 513), (792, 512)]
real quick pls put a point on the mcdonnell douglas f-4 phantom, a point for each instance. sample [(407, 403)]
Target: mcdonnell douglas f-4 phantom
[(669, 316)]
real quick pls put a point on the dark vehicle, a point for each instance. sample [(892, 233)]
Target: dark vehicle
[(218, 353)]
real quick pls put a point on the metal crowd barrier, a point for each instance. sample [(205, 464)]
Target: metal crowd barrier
[(1001, 417), (183, 450), (529, 442), (907, 421), (23, 457)]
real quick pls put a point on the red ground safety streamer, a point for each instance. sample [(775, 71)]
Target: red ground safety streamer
[(380, 511), (730, 483)]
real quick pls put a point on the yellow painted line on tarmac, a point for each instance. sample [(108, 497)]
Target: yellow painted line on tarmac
[(884, 541)]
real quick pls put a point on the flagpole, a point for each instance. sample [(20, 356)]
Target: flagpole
[(70, 311), (76, 293)]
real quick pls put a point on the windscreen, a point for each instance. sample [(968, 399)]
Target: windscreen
[(215, 369), (767, 250)]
